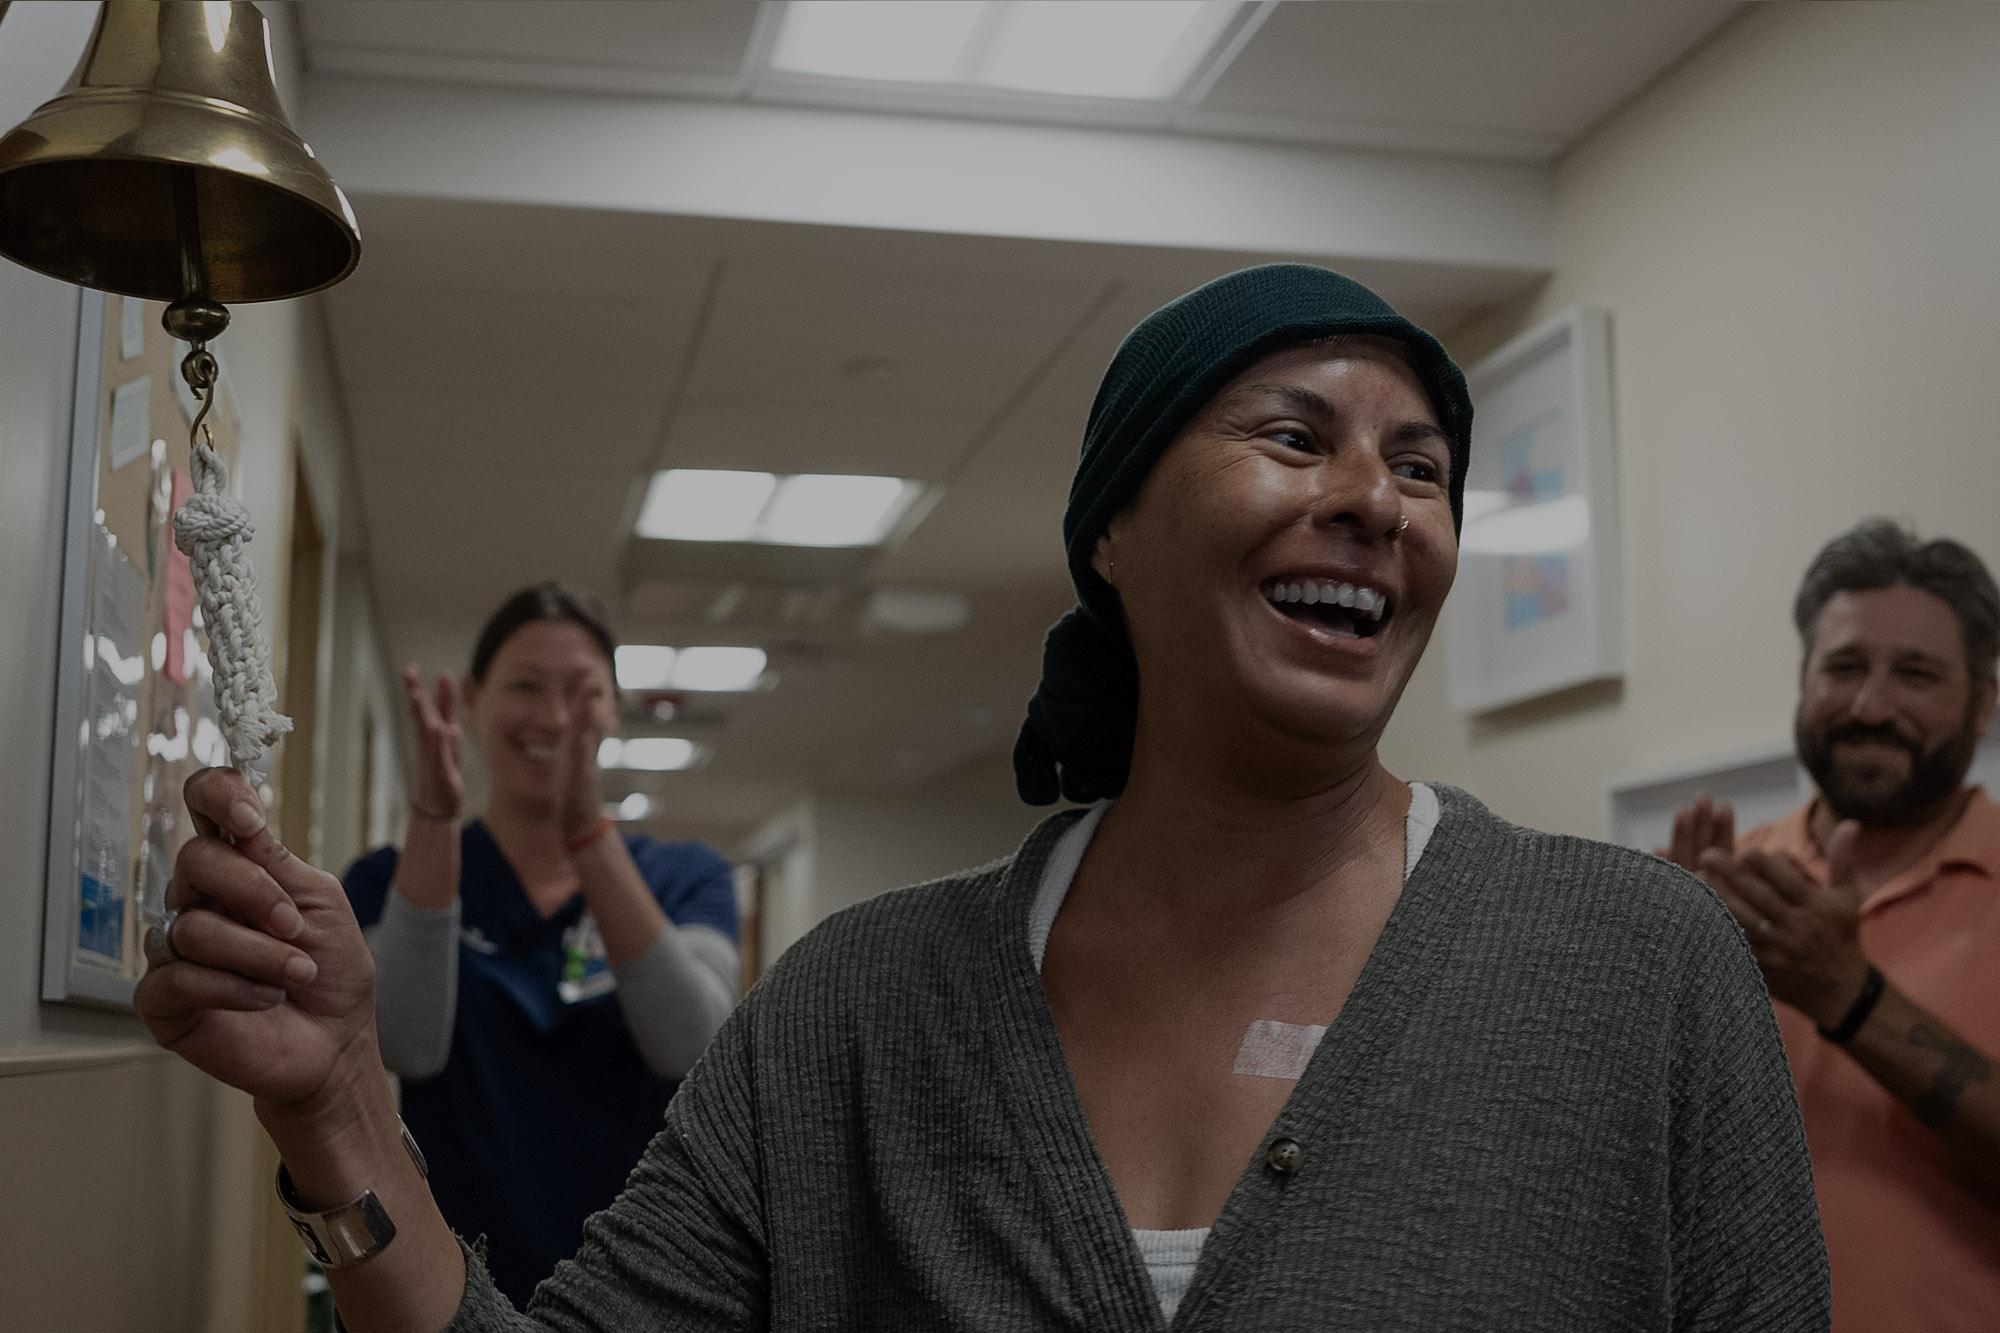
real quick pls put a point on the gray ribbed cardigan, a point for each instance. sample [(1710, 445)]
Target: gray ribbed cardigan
[(1554, 1100)]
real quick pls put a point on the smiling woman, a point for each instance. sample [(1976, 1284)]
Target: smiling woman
[(1266, 1037)]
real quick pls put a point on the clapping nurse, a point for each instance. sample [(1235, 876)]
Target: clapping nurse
[(542, 981)]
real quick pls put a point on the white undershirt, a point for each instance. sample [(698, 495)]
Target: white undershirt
[(1171, 1256)]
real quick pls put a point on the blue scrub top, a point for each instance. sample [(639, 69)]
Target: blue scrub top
[(545, 1104)]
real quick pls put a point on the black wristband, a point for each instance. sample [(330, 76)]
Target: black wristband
[(1857, 1013)]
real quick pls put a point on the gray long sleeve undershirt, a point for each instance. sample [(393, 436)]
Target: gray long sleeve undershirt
[(674, 995)]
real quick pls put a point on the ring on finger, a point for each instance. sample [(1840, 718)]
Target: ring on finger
[(159, 943)]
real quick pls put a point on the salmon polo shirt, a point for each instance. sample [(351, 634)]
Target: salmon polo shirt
[(1911, 1248)]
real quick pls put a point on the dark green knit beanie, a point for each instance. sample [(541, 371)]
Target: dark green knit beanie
[(1077, 741)]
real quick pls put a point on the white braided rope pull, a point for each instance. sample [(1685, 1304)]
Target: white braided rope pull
[(211, 529)]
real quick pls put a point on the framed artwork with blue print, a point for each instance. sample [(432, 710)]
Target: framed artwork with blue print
[(1536, 608)]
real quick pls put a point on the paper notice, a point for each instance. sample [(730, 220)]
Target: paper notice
[(131, 433), (110, 751), (131, 327)]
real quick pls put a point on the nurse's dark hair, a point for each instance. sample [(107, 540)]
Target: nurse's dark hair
[(1882, 553), (545, 601)]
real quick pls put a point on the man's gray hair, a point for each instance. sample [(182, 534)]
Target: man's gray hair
[(1882, 553)]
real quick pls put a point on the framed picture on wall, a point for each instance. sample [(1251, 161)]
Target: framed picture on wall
[(1760, 785), (1536, 605), (134, 707)]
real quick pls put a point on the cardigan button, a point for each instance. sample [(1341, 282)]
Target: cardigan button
[(1287, 1157)]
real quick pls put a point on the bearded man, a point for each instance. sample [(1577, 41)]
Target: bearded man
[(1874, 912)]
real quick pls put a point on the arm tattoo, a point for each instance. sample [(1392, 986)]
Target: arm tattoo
[(1963, 1066)]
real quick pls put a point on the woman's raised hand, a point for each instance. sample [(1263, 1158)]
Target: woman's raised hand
[(583, 797), (268, 985), (440, 781)]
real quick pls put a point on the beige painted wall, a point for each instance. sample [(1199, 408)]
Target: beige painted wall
[(110, 1205), (1795, 233), (872, 841), (831, 850)]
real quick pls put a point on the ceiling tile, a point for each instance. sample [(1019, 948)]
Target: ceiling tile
[(965, 364), (454, 341), (521, 248), (440, 541), (876, 436), (513, 433), (1540, 71), (685, 37)]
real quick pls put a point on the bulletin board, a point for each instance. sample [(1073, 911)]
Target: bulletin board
[(135, 712)]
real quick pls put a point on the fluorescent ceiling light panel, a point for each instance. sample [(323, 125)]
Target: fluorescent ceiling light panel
[(652, 666), (877, 39), (1102, 48), (702, 505), (718, 669), (643, 666), (1085, 48), (658, 754), (811, 509), (821, 509)]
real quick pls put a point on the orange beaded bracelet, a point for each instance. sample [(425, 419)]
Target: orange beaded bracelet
[(582, 840)]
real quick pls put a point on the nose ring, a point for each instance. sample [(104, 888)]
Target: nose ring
[(1402, 523)]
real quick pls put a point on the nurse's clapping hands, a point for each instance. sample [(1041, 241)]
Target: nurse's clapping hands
[(268, 985), (440, 783), (582, 791)]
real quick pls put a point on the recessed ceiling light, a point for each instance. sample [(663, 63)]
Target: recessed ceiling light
[(636, 806), (659, 754), (718, 668), (643, 666), (811, 509), (1088, 48)]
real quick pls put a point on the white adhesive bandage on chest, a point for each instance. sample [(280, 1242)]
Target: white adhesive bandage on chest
[(1277, 1050)]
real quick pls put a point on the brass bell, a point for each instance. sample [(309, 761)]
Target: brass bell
[(165, 168)]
